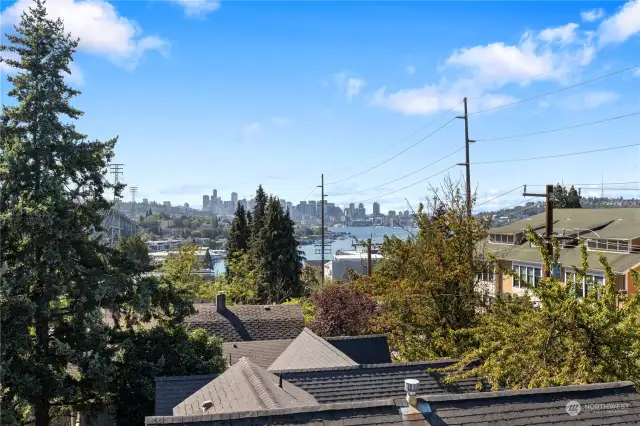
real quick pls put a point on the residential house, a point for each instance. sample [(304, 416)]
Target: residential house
[(312, 382), (613, 232)]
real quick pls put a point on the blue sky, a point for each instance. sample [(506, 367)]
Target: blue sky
[(234, 94)]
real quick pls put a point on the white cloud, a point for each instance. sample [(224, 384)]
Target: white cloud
[(98, 26), (198, 8), (592, 15), (624, 24), (280, 121), (75, 78), (411, 69), (637, 72), (351, 86), (597, 98), (564, 34), (250, 132)]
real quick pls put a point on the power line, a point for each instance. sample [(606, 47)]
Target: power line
[(557, 156), (556, 91), (400, 178), (408, 186), (309, 194), (396, 155), (560, 128), (594, 184), (501, 195), (399, 142), (527, 79)]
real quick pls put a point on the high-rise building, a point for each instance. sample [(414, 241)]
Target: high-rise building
[(312, 208), (392, 213), (186, 206), (376, 209), (145, 201), (205, 201), (166, 203), (234, 199), (352, 206), (215, 194), (361, 206)]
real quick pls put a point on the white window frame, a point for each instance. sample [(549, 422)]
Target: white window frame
[(593, 275), (504, 238), (530, 270), (604, 241)]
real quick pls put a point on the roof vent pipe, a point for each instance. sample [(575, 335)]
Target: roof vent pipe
[(221, 303), (206, 405), (411, 386)]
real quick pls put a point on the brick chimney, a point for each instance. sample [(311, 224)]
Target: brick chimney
[(221, 303)]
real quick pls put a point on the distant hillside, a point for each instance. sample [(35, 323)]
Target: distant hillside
[(505, 216)]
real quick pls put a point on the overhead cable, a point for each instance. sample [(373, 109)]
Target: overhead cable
[(408, 186), (559, 129), (394, 156), (400, 178), (556, 91), (557, 156), (399, 142), (499, 196)]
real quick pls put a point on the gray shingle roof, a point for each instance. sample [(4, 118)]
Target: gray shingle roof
[(170, 391), (249, 322), (376, 381), (372, 349), (309, 350), (524, 407), (244, 387)]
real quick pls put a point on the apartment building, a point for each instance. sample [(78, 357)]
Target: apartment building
[(614, 232)]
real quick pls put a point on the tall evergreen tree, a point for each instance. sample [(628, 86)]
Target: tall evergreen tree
[(239, 236), (53, 200), (280, 264), (560, 197), (573, 199)]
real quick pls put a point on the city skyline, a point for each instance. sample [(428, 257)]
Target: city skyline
[(287, 110)]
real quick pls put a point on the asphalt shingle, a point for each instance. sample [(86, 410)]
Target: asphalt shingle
[(244, 387), (601, 404), (309, 350), (249, 322), (170, 391)]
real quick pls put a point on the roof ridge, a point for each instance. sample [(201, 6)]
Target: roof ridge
[(328, 345), (260, 390)]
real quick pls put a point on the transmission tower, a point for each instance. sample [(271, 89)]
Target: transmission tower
[(113, 219), (134, 191)]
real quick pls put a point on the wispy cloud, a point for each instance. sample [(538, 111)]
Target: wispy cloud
[(411, 69), (555, 54), (592, 15), (101, 30), (198, 8), (351, 86), (254, 131)]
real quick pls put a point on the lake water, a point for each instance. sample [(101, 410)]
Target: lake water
[(376, 233)]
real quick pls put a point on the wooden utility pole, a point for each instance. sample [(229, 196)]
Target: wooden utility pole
[(548, 228), (369, 268), (467, 162), (322, 229)]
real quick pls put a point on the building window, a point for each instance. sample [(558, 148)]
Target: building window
[(502, 238), (526, 274), (609, 245), (487, 276), (588, 282)]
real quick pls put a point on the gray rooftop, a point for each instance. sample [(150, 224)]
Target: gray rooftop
[(375, 381), (371, 349), (249, 322), (523, 407), (171, 391), (308, 350), (620, 223), (244, 387)]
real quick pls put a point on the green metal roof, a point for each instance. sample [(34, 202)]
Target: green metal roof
[(621, 223)]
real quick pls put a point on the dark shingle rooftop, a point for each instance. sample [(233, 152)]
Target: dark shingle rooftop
[(372, 349), (171, 391), (243, 387), (374, 381), (524, 407), (309, 350), (249, 322)]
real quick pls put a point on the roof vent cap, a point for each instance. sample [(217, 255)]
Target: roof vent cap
[(411, 386), (206, 405)]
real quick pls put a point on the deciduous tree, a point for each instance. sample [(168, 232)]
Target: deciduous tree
[(341, 310)]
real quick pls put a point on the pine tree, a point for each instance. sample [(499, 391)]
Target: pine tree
[(53, 201), (560, 197), (573, 199), (280, 264), (239, 237), (208, 261), (256, 243)]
